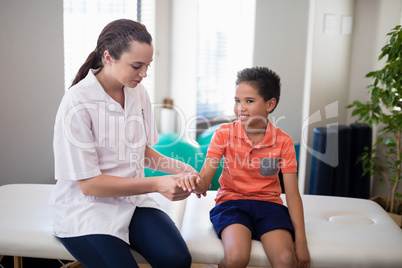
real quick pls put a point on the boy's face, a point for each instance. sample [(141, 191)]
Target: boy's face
[(250, 108)]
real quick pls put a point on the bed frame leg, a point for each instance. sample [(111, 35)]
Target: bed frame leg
[(74, 264), (17, 262)]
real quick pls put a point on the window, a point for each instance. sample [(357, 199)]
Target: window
[(225, 40), (85, 19)]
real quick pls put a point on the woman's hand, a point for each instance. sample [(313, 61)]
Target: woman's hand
[(170, 187), (190, 182)]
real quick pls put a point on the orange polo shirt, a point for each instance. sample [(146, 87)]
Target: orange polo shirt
[(251, 171)]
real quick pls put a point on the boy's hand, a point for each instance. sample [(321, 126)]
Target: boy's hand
[(200, 195), (204, 193), (189, 181), (302, 255)]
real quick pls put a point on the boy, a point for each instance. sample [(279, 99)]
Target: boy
[(248, 202)]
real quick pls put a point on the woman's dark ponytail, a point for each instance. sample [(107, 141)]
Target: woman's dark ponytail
[(116, 37), (94, 61)]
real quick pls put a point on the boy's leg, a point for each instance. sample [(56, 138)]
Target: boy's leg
[(278, 245), (236, 239), (155, 236)]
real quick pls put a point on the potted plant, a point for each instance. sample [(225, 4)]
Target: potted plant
[(383, 111)]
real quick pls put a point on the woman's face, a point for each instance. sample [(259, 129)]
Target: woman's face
[(133, 65)]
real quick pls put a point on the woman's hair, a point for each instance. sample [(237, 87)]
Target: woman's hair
[(266, 81), (116, 38)]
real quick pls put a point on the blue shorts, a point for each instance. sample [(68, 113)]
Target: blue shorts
[(258, 216)]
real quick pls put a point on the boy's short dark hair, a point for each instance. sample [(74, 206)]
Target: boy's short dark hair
[(266, 81)]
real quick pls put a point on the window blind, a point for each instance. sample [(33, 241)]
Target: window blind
[(225, 40)]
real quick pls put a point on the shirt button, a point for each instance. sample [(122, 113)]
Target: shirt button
[(251, 152)]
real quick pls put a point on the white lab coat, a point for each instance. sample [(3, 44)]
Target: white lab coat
[(94, 135)]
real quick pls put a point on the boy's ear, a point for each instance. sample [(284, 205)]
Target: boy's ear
[(271, 105)]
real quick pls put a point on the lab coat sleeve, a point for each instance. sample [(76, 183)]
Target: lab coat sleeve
[(73, 144)]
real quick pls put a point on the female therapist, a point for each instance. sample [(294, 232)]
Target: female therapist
[(103, 131)]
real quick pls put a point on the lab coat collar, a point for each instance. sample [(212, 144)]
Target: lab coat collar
[(99, 94)]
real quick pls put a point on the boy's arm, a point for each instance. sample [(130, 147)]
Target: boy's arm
[(295, 206), (207, 174), (202, 184)]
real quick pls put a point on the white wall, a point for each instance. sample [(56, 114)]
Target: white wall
[(32, 84), (162, 54), (376, 19), (183, 64), (280, 44), (326, 93)]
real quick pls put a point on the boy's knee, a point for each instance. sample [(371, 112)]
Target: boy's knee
[(285, 259), (237, 260)]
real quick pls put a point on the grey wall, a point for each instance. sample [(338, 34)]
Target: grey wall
[(280, 43), (31, 87)]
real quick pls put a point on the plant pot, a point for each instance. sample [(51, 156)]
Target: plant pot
[(383, 201)]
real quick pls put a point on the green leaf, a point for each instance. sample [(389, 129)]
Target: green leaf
[(390, 141), (379, 140)]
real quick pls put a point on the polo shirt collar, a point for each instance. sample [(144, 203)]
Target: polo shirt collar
[(269, 139)]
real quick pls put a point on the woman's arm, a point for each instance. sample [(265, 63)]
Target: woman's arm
[(157, 161), (112, 186), (295, 206)]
